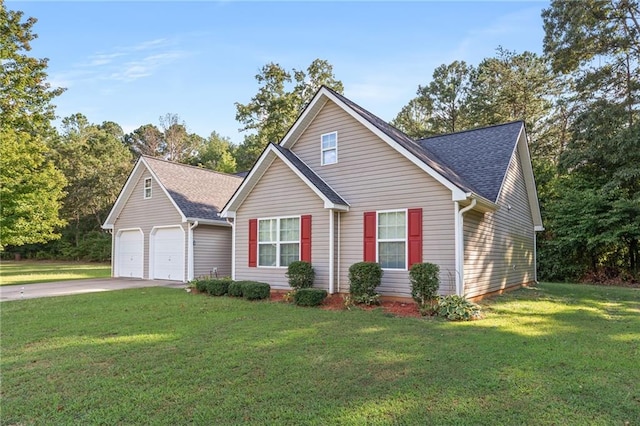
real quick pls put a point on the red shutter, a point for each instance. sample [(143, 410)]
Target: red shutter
[(369, 237), (415, 236), (253, 242), (305, 238)]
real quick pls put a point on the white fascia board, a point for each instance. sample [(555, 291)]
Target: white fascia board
[(164, 190), (263, 163), (124, 195), (208, 222), (529, 179), (327, 203), (247, 185), (315, 106), (307, 116)]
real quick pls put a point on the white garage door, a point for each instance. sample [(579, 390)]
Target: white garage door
[(129, 249), (168, 254)]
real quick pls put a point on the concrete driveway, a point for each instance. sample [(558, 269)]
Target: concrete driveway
[(63, 288)]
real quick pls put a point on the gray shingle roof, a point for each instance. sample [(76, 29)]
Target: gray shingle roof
[(199, 193), (474, 160), (480, 156), (311, 176)]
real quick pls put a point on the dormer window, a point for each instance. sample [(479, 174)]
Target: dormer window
[(147, 188), (329, 148)]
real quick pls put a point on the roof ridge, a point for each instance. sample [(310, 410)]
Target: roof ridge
[(175, 163), (474, 129)]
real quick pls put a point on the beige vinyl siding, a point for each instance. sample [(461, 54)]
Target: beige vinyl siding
[(147, 213), (280, 192), (499, 245), (372, 176), (212, 249)]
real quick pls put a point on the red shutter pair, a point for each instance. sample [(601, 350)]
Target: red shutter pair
[(414, 239), (305, 240)]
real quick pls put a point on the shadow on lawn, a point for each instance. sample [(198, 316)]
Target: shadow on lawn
[(538, 358)]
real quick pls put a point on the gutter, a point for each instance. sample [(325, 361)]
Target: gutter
[(459, 235)]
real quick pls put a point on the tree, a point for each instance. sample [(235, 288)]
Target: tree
[(31, 187), (274, 109), (170, 142), (598, 44), (215, 153), (30, 190), (441, 105), (96, 164), (145, 140)]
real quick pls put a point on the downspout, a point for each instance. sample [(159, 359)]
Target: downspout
[(535, 256), (460, 245), (339, 222), (190, 251), (233, 248), (332, 244)]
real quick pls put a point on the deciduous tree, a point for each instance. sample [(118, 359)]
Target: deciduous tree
[(31, 188)]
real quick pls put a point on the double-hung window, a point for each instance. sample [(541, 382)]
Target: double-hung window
[(329, 148), (278, 241), (147, 188), (392, 239)]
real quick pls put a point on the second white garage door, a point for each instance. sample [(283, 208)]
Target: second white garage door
[(168, 254)]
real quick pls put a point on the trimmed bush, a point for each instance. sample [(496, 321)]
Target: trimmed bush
[(300, 274), (309, 296), (254, 290), (425, 281), (364, 278), (218, 287), (235, 289), (456, 308), (201, 284)]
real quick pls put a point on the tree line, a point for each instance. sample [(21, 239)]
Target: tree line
[(579, 100)]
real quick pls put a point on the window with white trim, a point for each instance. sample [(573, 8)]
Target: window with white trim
[(392, 239), (278, 241), (147, 188), (329, 148)]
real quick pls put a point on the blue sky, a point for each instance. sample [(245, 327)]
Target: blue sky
[(132, 62)]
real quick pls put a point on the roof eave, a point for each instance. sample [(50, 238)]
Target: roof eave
[(208, 221)]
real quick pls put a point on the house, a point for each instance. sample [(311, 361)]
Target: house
[(166, 225), (343, 186)]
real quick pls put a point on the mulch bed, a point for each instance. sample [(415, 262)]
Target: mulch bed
[(335, 302)]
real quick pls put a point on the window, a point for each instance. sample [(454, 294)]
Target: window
[(278, 241), (392, 239), (147, 188), (329, 148)]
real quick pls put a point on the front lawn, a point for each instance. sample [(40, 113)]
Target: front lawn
[(32, 271), (556, 354)]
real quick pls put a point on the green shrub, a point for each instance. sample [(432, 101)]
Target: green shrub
[(254, 290), (201, 284), (456, 308), (300, 274), (364, 278), (235, 289), (218, 287), (309, 296), (425, 281)]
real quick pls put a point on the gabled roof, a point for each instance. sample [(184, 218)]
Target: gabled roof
[(480, 157), (316, 180), (394, 137), (330, 197), (472, 164), (196, 193)]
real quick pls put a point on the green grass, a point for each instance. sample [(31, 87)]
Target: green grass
[(30, 272), (556, 354)]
